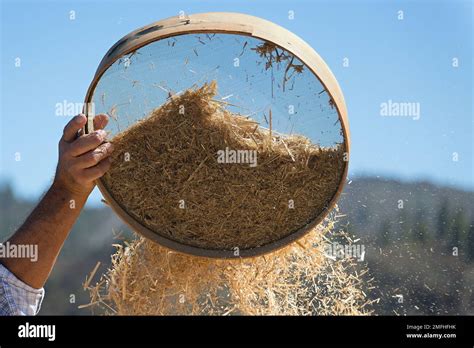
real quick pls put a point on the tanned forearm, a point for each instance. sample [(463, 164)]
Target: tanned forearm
[(47, 227), (82, 160)]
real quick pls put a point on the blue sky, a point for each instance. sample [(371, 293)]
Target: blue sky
[(409, 60)]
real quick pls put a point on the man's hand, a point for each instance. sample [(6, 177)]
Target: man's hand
[(82, 159)]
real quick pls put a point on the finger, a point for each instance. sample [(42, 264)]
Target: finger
[(93, 157), (70, 130), (95, 172), (87, 142), (100, 121)]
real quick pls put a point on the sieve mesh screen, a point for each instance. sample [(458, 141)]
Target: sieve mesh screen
[(181, 104)]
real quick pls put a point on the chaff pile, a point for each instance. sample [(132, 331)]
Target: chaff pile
[(166, 173), (147, 279)]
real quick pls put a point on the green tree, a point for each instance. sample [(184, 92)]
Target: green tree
[(420, 232), (470, 243), (443, 225), (383, 236), (404, 223), (459, 229)]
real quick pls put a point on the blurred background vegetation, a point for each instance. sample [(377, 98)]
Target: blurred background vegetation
[(418, 239)]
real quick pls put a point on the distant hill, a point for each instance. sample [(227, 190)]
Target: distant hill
[(419, 241), (370, 202), (409, 250)]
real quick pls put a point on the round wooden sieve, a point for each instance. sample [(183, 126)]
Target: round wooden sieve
[(226, 23)]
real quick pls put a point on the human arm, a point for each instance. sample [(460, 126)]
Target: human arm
[(82, 160)]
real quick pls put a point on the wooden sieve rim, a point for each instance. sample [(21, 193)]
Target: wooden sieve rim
[(226, 23)]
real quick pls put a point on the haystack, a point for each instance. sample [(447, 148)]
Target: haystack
[(301, 279), (168, 173)]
